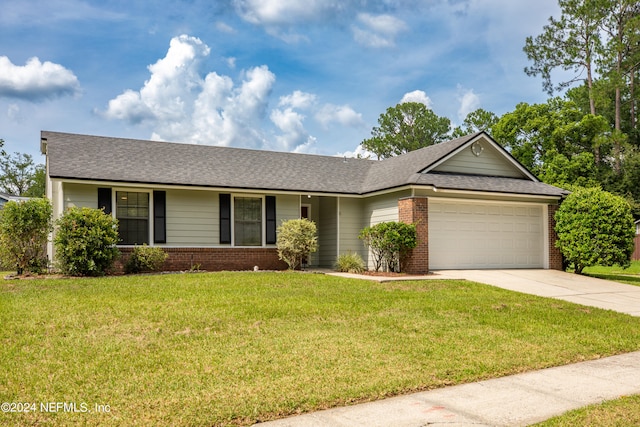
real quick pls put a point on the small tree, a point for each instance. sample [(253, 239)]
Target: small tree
[(24, 230), (296, 241), (86, 242), (595, 227), (390, 243)]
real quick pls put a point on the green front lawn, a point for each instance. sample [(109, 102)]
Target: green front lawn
[(629, 275), (235, 348), (622, 412)]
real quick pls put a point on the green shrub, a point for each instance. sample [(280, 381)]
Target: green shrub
[(595, 227), (86, 242), (350, 262), (24, 231), (145, 259), (390, 243), (296, 241)]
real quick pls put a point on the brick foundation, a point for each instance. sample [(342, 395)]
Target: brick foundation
[(415, 210), (214, 259), (555, 256)]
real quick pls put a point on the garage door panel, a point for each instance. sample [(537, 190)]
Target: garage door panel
[(485, 235)]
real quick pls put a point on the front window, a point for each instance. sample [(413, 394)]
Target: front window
[(132, 212), (247, 217)]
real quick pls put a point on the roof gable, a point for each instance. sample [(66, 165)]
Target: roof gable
[(480, 156)]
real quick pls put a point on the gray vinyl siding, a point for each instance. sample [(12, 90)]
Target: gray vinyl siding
[(351, 222), (489, 163), (382, 208), (327, 231), (287, 207), (192, 218), (80, 196)]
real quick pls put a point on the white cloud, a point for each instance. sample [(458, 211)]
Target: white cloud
[(298, 99), (36, 80), (417, 96), (377, 31), (284, 12), (469, 101), (359, 152), (181, 106), (342, 114), (294, 136)]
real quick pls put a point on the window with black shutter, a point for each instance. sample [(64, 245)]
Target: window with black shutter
[(270, 211), (104, 200), (225, 218), (159, 217)]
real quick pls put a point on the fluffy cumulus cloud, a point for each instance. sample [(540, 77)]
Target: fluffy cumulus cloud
[(417, 96), (181, 105), (36, 80), (377, 31), (469, 101)]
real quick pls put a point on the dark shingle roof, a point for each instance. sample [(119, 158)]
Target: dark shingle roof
[(96, 158)]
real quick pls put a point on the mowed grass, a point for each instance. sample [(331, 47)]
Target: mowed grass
[(630, 275), (622, 412), (237, 348)]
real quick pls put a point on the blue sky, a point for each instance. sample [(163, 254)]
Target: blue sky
[(308, 76)]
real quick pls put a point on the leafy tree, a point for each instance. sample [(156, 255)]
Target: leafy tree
[(19, 175), (476, 121), (24, 230), (571, 43), (406, 127), (535, 132), (390, 243), (595, 227), (296, 241), (579, 170), (86, 241), (37, 188)]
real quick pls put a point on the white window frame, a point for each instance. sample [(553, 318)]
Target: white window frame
[(114, 210), (263, 220)]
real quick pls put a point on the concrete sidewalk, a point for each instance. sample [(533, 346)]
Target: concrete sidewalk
[(517, 400)]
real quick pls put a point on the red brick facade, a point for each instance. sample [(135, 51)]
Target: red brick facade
[(215, 259), (415, 210), (555, 257)]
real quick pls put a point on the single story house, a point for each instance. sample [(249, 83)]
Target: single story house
[(475, 206), (4, 198)]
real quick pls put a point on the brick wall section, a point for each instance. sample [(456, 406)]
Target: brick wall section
[(415, 210), (215, 259), (555, 257)]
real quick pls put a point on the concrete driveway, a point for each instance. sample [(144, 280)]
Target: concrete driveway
[(557, 284)]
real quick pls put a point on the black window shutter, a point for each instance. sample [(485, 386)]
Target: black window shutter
[(160, 217), (225, 218), (104, 200), (270, 208)]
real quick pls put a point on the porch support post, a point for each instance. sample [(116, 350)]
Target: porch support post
[(415, 210)]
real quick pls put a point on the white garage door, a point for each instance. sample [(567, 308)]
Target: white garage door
[(470, 235)]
